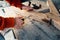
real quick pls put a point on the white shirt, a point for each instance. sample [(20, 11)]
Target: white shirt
[(10, 12)]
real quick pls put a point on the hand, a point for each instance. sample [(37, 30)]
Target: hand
[(27, 8), (19, 23)]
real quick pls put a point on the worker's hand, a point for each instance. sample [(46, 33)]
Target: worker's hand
[(19, 23), (27, 8)]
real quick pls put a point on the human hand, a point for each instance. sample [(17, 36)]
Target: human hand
[(19, 23)]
